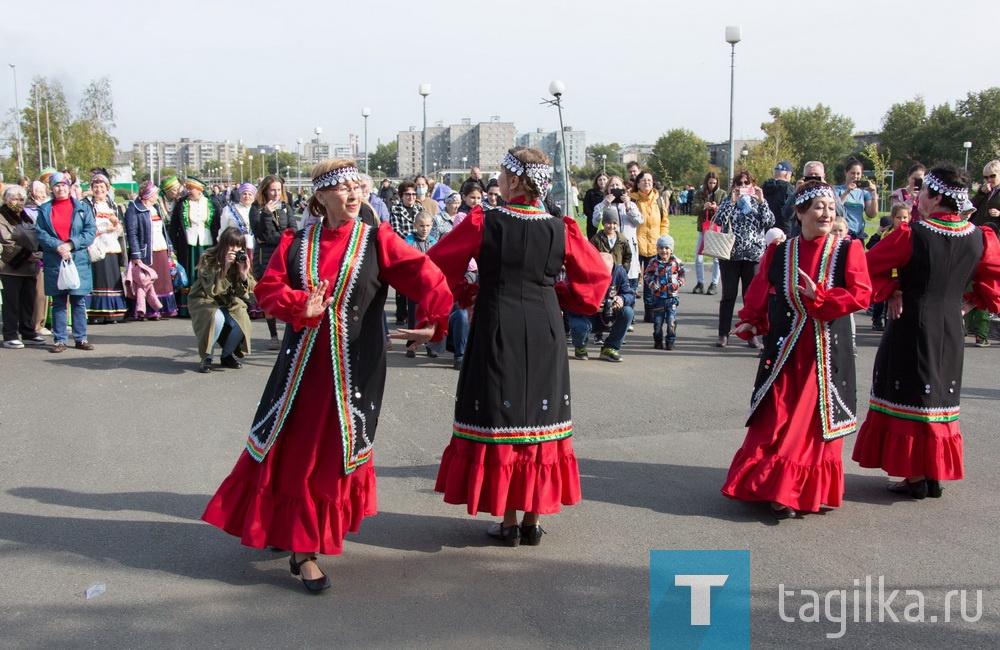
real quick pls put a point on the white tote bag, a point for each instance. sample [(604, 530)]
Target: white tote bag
[(69, 277)]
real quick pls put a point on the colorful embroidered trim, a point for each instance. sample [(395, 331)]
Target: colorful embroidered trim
[(528, 212), (209, 214), (942, 414), (951, 228), (309, 273), (828, 391), (351, 418), (513, 435)]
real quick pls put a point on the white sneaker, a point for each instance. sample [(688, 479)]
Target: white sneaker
[(44, 332), (13, 345)]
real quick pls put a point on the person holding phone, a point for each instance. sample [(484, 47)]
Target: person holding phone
[(745, 213), (914, 179), (858, 196), (270, 216)]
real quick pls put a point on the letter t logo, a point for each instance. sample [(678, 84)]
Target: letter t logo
[(701, 594)]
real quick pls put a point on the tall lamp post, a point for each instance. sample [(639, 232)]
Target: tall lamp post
[(262, 156), (17, 124), (734, 34), (241, 171), (604, 163), (366, 113), (250, 167), (298, 164), (556, 89), (966, 145), (425, 89)]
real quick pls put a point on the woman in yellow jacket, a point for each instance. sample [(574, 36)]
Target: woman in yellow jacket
[(655, 224)]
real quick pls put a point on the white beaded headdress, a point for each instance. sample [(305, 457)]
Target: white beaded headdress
[(812, 193), (960, 194), (336, 177), (540, 173)]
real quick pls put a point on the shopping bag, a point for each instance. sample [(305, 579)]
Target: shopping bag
[(69, 277)]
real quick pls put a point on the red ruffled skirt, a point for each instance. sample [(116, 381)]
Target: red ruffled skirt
[(539, 478), (298, 498), (784, 457), (910, 448)]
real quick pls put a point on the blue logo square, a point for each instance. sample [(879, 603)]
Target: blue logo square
[(699, 599)]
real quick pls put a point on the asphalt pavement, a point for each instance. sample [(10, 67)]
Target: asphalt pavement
[(109, 457)]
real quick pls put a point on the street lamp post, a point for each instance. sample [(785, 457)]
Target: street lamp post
[(556, 89), (298, 164), (365, 113), (262, 155), (743, 157), (734, 34), (425, 89), (17, 124), (241, 171), (250, 166), (604, 163), (966, 145)]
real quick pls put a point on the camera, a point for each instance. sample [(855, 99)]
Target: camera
[(864, 184), (241, 256), (618, 193), (609, 310), (812, 178), (918, 183)]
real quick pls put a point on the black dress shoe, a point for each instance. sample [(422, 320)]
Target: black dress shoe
[(509, 535), (314, 586), (782, 513), (231, 362), (532, 535), (934, 489), (917, 490), (206, 365)]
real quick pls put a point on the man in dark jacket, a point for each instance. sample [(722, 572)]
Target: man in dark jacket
[(616, 315), (777, 191), (388, 193)]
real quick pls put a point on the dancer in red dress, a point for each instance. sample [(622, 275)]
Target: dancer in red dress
[(912, 425), (306, 477), (803, 401), (511, 449)]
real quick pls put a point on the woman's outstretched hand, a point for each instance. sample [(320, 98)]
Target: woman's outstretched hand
[(418, 336), (743, 327), (316, 305)]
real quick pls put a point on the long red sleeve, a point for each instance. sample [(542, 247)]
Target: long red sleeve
[(985, 292), (452, 255), (417, 277), (587, 276), (275, 294), (892, 252), (831, 304)]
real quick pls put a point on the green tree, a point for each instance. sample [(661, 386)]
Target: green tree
[(45, 99), (776, 147), (679, 156), (981, 113), (915, 135), (815, 134), (384, 156)]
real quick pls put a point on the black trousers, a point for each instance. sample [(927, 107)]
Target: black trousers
[(733, 272), (401, 310), (18, 306)]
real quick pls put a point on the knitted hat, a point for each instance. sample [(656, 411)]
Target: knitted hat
[(665, 240), (609, 214)]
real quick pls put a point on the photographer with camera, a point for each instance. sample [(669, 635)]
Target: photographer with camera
[(218, 301), (814, 171), (615, 315), (914, 180), (858, 196)]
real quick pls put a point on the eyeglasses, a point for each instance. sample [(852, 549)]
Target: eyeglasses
[(745, 183), (409, 193), (348, 189)]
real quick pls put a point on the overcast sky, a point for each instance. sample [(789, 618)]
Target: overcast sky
[(271, 72)]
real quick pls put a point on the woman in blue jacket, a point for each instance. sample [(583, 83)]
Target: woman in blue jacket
[(65, 228)]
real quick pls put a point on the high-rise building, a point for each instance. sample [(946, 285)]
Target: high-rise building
[(459, 146), (576, 144), (185, 153)]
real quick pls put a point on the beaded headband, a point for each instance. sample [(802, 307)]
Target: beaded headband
[(822, 190), (960, 194), (336, 177), (537, 172)]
